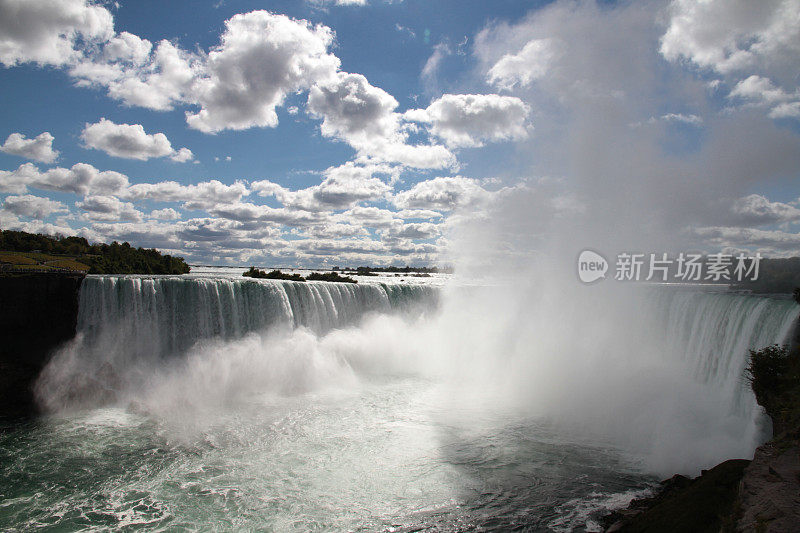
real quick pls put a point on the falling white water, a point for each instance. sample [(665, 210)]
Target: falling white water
[(715, 331), (129, 328), (711, 334), (164, 316), (653, 370)]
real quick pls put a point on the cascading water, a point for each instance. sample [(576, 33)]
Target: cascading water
[(711, 333), (165, 316), (127, 323), (715, 330), (283, 405)]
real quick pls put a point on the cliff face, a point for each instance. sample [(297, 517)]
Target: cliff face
[(770, 489), (38, 313)]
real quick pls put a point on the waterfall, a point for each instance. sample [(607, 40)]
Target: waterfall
[(697, 408), (165, 316), (129, 327), (714, 331), (651, 370), (656, 371)]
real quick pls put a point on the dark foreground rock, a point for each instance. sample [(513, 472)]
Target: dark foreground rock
[(704, 504), (38, 313), (770, 490)]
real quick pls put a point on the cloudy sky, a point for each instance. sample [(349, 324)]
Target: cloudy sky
[(328, 132)]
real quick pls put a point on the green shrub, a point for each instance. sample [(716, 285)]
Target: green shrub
[(329, 276), (274, 274), (774, 374), (767, 371)]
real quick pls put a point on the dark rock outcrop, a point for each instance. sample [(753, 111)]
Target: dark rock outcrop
[(770, 491), (705, 503), (38, 313)]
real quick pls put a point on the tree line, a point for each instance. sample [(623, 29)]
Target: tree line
[(114, 258)]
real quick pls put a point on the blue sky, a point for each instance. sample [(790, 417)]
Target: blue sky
[(365, 37), (374, 132)]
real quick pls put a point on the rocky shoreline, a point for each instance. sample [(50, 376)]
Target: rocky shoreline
[(737, 495), (769, 493), (705, 503)]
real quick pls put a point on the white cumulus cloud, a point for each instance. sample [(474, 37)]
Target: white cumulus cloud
[(757, 210), (46, 31), (468, 120), (165, 214), (81, 179), (364, 116), (203, 195), (762, 92), (524, 67), (33, 206), (130, 141), (109, 209), (342, 188), (40, 148), (157, 81), (442, 193), (353, 110), (261, 58), (731, 35), (756, 43)]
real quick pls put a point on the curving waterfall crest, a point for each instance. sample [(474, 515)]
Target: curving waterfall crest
[(130, 327), (165, 316), (713, 331)]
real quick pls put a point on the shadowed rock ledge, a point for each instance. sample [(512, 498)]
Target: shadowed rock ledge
[(769, 495), (38, 313), (704, 504)]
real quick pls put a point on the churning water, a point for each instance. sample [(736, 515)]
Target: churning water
[(230, 404)]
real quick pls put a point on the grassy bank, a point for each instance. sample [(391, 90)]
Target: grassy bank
[(40, 262)]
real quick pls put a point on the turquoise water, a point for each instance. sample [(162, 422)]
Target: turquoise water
[(377, 459)]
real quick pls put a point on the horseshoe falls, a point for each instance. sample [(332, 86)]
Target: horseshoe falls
[(129, 325), (220, 403)]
